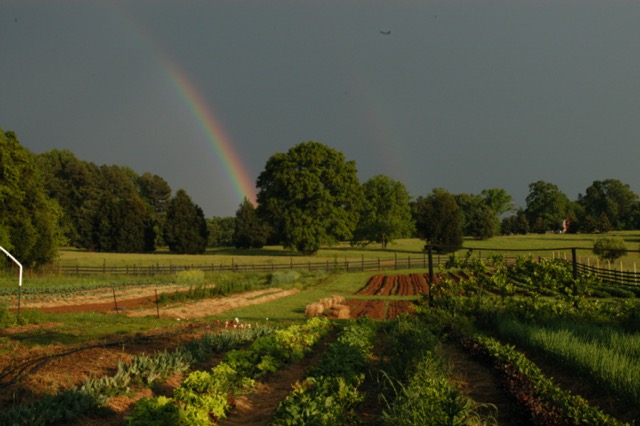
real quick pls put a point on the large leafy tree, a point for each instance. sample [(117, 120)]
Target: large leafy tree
[(613, 199), (385, 212), (439, 220), (185, 229), (221, 230), (547, 206), (29, 219), (310, 196), (250, 231), (498, 200)]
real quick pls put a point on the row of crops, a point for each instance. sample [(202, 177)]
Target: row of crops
[(396, 372)]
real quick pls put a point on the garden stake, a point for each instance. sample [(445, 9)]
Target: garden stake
[(157, 304), (115, 302)]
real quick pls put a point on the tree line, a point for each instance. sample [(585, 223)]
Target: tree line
[(307, 197), (54, 199)]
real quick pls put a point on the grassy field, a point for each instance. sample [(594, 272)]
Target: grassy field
[(531, 244)]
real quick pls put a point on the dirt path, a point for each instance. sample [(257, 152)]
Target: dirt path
[(206, 307), (100, 296), (479, 383)]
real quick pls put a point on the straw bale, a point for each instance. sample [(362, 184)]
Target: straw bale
[(340, 311), (314, 310), (338, 300), (326, 302)]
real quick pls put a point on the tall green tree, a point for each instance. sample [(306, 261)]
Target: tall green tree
[(479, 219), (439, 220), (221, 230), (481, 223), (250, 231), (29, 218), (74, 184), (185, 229), (498, 200), (612, 198), (123, 223), (385, 212), (547, 206), (310, 196), (156, 193)]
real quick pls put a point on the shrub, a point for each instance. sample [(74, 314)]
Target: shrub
[(610, 248), (284, 277)]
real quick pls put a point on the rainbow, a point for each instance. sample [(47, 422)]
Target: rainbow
[(213, 131)]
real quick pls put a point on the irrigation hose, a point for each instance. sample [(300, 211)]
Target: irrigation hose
[(18, 371)]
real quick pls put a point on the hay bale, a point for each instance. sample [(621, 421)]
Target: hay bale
[(314, 310), (326, 302), (340, 312), (338, 300)]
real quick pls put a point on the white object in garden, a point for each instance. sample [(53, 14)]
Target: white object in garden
[(10, 256)]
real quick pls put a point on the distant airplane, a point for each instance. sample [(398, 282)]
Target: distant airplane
[(387, 32)]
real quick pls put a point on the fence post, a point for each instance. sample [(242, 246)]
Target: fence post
[(430, 252), (574, 263)]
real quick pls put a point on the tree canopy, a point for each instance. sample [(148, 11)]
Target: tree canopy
[(613, 199), (439, 220), (310, 196), (186, 229), (385, 212), (250, 231), (29, 219), (221, 230), (547, 206)]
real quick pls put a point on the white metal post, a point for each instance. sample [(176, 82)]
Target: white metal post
[(10, 256)]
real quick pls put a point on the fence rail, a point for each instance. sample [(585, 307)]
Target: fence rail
[(423, 261), (612, 276), (347, 265)]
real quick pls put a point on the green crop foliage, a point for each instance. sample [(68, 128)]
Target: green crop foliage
[(429, 398), (610, 358), (329, 393)]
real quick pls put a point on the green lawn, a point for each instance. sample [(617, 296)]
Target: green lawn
[(535, 243)]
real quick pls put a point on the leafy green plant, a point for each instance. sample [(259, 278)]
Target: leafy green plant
[(163, 411), (328, 394), (428, 398)]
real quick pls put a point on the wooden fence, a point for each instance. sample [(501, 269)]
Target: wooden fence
[(428, 260), (346, 265)]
